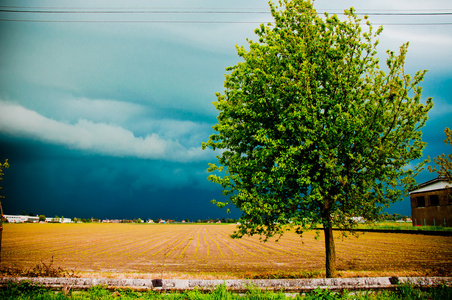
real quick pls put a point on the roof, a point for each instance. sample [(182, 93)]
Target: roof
[(438, 183)]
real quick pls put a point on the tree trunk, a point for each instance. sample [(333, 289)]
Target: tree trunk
[(1, 229), (330, 250)]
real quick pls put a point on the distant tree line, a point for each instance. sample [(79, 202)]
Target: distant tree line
[(57, 219), (222, 220)]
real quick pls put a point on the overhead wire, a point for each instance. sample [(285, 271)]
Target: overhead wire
[(179, 11), (443, 12), (245, 9)]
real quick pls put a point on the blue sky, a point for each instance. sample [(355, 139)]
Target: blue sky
[(103, 114)]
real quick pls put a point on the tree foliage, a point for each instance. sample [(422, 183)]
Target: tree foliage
[(311, 130), (444, 162), (5, 165)]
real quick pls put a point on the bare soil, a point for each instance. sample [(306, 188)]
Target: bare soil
[(207, 252)]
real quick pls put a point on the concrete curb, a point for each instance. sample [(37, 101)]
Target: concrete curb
[(236, 285)]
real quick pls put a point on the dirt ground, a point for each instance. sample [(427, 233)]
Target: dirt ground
[(207, 251)]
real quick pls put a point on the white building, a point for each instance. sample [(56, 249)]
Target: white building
[(59, 220), (21, 219)]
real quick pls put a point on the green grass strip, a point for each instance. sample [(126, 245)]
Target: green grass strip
[(26, 291)]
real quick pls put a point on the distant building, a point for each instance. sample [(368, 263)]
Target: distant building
[(358, 219), (21, 218), (111, 221), (59, 220), (431, 203)]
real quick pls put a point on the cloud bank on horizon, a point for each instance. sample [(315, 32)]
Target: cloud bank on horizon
[(130, 95), (86, 135)]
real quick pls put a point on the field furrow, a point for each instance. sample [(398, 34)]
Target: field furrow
[(195, 249), (215, 242)]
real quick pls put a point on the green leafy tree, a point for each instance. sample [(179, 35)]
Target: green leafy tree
[(444, 162), (5, 165), (311, 130), (42, 218)]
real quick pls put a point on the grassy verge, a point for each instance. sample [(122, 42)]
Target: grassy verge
[(388, 225), (27, 291)]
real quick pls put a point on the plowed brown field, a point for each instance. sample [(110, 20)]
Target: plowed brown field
[(197, 250)]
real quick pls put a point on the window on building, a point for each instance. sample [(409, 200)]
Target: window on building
[(420, 201), (434, 200)]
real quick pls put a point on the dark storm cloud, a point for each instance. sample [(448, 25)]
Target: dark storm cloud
[(107, 119), (54, 181)]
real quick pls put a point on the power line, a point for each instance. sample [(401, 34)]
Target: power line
[(132, 21), (198, 22), (134, 11), (128, 8), (206, 11), (206, 8), (14, 10)]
